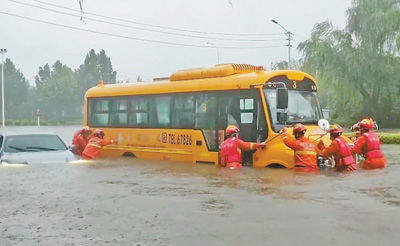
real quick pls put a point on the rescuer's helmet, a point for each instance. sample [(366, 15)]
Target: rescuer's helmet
[(98, 133), (367, 124), (231, 130), (87, 130), (299, 128), (336, 129), (355, 127)]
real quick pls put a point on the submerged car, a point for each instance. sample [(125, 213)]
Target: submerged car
[(33, 148)]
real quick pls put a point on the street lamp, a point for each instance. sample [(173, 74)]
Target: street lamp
[(289, 38), (3, 117), (216, 48)]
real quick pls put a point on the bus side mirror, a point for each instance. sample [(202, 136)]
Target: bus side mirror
[(282, 98)]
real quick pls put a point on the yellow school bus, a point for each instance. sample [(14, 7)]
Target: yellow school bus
[(183, 117)]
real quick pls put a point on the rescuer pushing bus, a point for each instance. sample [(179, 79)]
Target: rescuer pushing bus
[(232, 147), (369, 146)]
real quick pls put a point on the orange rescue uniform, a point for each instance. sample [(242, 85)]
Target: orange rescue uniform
[(93, 148), (340, 151), (369, 145), (305, 153), (80, 141), (231, 151)]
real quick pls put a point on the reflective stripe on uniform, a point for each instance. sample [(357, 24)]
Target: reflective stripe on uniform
[(94, 145), (251, 145), (305, 152)]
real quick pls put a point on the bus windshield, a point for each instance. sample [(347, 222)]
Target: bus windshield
[(303, 107)]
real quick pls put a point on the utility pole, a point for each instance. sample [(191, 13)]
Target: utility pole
[(289, 39), (3, 117), (216, 47), (37, 113)]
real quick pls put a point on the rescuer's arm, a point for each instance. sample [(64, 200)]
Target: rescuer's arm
[(107, 142), (320, 147), (249, 146), (358, 146), (330, 150), (289, 141)]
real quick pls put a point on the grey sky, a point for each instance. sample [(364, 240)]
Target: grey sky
[(31, 44)]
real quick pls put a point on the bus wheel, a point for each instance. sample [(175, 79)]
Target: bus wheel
[(276, 165), (128, 154)]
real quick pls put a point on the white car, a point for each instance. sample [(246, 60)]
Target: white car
[(33, 148)]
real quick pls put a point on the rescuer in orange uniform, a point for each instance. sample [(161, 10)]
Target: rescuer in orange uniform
[(305, 152), (369, 145), (80, 140), (339, 149), (95, 144), (232, 147)]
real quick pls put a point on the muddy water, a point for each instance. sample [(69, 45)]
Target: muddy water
[(165, 203)]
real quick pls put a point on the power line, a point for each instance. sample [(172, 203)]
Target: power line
[(144, 29), (158, 26), (138, 39)]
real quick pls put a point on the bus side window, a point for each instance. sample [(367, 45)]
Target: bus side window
[(206, 118), (163, 108), (233, 111), (183, 112), (206, 107), (138, 112), (99, 112), (119, 112)]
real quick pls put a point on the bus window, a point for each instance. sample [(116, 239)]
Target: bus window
[(183, 114), (232, 110), (206, 106), (206, 118), (246, 110), (163, 106), (138, 112), (119, 112), (99, 112)]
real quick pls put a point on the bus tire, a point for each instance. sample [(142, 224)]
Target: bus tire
[(276, 165), (128, 154)]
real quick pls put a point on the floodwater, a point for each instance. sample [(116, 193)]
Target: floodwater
[(164, 203)]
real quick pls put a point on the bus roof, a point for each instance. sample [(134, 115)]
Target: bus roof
[(220, 77)]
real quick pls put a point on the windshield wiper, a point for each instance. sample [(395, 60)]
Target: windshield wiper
[(17, 148), (40, 148)]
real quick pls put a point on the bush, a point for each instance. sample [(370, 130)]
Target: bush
[(386, 138), (390, 138)]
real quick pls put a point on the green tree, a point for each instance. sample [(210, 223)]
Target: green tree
[(15, 91), (359, 67), (57, 91), (96, 67)]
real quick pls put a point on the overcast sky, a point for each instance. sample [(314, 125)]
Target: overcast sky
[(31, 44)]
